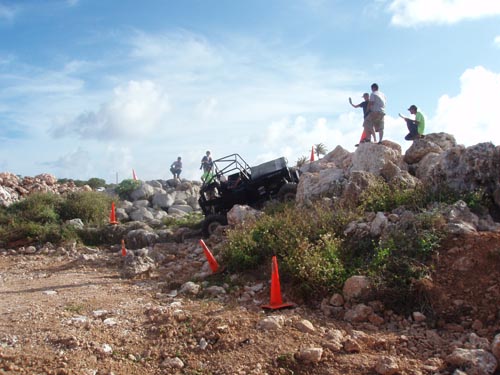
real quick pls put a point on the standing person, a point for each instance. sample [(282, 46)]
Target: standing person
[(366, 111), (374, 122), (415, 127), (206, 165), (176, 168)]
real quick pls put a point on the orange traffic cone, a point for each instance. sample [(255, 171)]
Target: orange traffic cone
[(312, 154), (124, 251), (134, 176), (210, 258), (112, 216), (276, 301), (363, 136)]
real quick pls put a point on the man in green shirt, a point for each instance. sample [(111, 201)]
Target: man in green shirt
[(416, 127)]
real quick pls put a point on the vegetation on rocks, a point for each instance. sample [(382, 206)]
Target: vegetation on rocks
[(42, 217), (126, 187), (315, 254)]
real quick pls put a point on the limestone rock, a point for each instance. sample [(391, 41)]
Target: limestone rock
[(356, 287)]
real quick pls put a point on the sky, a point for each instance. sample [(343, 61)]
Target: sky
[(92, 88)]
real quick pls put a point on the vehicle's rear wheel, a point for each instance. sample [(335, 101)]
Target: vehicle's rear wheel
[(287, 192), (211, 223)]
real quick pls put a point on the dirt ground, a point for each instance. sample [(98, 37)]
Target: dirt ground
[(75, 314)]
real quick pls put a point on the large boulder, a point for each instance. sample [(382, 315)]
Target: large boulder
[(145, 191), (465, 169), (435, 143), (373, 158)]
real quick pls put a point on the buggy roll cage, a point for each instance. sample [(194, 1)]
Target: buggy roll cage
[(231, 166)]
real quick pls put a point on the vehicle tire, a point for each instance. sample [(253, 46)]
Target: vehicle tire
[(287, 192), (211, 223)]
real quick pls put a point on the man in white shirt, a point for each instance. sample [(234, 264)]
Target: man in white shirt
[(374, 122)]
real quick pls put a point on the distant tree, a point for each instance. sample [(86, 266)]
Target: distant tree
[(320, 149), (301, 161), (95, 182), (80, 183)]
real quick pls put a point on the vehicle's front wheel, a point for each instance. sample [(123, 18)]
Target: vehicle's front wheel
[(211, 223), (287, 192)]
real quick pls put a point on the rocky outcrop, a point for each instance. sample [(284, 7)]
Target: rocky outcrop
[(14, 188), (435, 161), (155, 200)]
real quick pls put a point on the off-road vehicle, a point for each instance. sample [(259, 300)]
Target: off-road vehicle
[(232, 181)]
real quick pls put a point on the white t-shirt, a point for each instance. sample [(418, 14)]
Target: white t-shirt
[(378, 102)]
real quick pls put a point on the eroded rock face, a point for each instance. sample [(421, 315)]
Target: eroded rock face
[(14, 188), (435, 143), (463, 169), (435, 161)]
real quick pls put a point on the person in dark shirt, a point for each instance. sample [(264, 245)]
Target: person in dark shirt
[(206, 162), (366, 111)]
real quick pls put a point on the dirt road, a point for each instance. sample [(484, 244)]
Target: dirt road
[(75, 314)]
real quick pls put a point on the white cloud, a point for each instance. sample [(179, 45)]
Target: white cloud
[(470, 115), (496, 41), (136, 110), (72, 3), (407, 13)]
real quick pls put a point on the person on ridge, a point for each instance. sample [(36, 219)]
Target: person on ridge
[(415, 126), (366, 111), (206, 162), (176, 168), (206, 165), (374, 122)]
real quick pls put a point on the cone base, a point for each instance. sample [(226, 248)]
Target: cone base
[(113, 222), (279, 306)]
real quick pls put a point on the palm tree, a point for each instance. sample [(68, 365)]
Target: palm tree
[(301, 161), (320, 149)]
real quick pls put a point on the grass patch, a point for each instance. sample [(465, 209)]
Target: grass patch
[(74, 308), (193, 220)]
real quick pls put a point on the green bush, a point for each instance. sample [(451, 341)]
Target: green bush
[(90, 207), (403, 257), (126, 187), (306, 242), (95, 182), (382, 196), (31, 232), (42, 208), (39, 218), (193, 220), (317, 267)]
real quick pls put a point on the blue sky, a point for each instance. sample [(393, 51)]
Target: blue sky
[(92, 88)]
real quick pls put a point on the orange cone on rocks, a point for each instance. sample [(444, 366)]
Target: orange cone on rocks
[(276, 300), (363, 136), (124, 250), (312, 154), (134, 176), (112, 215), (214, 266)]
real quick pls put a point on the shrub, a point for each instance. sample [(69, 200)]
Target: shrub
[(305, 241), (42, 208), (193, 220), (89, 206), (402, 258), (39, 218), (384, 197), (31, 232), (95, 182), (126, 187), (317, 267)]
